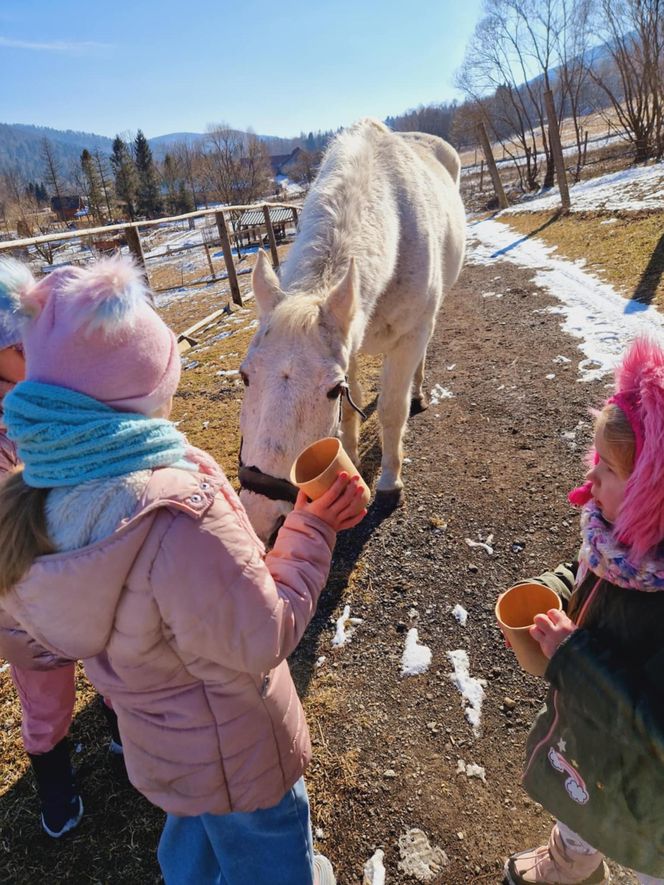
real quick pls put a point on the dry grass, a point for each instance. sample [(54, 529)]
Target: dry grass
[(628, 253)]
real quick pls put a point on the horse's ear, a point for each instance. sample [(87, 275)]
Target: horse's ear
[(265, 283), (341, 303)]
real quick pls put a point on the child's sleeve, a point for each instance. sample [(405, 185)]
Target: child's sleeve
[(221, 601), (21, 650), (561, 580)]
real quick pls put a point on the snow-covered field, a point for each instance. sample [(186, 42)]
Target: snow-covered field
[(630, 190)]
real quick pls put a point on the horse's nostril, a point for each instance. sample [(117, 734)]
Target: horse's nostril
[(273, 536)]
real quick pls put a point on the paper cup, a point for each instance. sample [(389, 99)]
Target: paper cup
[(317, 467), (515, 612)]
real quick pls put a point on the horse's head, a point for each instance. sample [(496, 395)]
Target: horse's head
[(294, 374)]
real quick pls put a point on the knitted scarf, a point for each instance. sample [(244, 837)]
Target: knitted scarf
[(604, 555), (65, 438)]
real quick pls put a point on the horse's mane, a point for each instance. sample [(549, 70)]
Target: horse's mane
[(332, 213), (298, 313)]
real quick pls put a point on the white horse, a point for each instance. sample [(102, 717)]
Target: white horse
[(381, 238)]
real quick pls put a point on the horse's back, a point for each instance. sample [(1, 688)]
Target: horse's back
[(432, 147)]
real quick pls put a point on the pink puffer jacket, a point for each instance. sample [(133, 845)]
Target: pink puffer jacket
[(184, 624)]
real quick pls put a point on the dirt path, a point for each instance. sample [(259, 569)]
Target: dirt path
[(497, 458)]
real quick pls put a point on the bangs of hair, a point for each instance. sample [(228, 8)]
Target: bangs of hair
[(619, 437)]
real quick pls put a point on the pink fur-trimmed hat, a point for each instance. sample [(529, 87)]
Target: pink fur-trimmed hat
[(93, 329), (640, 395)]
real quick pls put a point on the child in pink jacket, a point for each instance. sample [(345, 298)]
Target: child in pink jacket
[(46, 696), (148, 570)]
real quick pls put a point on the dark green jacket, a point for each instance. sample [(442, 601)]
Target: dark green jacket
[(595, 755)]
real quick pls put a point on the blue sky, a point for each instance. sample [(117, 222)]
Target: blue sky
[(166, 66)]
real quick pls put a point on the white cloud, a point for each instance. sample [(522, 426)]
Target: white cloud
[(52, 45)]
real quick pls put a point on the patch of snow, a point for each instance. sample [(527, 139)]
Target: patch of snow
[(416, 658), (550, 376), (460, 614), (593, 311), (472, 689), (345, 627), (439, 393), (374, 869), (321, 660), (228, 372), (471, 770), (485, 545), (419, 858), (562, 359)]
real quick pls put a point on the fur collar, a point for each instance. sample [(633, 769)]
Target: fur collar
[(604, 555)]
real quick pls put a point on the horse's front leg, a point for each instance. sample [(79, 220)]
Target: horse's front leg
[(419, 401), (399, 367), (350, 421)]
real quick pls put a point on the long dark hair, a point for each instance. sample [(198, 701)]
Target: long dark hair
[(23, 533)]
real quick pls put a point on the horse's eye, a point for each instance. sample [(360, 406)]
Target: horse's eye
[(335, 392), (245, 380)]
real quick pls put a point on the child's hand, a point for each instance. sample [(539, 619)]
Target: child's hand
[(340, 506), (551, 629)]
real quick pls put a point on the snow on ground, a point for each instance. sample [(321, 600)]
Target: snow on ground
[(345, 627), (632, 189), (416, 658), (592, 310), (374, 869), (460, 613), (472, 690)]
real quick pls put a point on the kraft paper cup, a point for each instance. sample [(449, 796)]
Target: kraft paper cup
[(515, 612), (317, 467)]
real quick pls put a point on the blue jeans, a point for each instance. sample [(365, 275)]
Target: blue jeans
[(271, 846)]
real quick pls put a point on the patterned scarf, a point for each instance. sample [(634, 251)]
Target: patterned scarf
[(65, 438), (602, 554)]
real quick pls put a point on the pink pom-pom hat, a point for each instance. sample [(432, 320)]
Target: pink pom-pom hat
[(93, 329)]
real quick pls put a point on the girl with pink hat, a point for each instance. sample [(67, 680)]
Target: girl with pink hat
[(596, 751), (44, 683), (135, 555)]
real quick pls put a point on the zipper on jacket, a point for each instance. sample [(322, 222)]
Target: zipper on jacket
[(265, 686)]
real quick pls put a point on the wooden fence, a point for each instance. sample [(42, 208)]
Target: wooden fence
[(159, 249)]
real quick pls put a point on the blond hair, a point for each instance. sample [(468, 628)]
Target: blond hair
[(23, 532), (619, 437)]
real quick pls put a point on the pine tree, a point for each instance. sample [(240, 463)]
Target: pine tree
[(149, 197), (93, 184), (170, 177), (184, 201), (126, 177)]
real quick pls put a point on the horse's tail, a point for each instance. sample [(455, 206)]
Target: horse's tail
[(441, 150)]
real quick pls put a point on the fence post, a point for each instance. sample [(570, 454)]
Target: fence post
[(491, 163), (271, 237), (209, 259), (585, 147), (135, 247), (554, 139), (228, 258)]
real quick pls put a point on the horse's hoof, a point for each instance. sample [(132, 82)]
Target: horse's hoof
[(418, 404), (389, 500)]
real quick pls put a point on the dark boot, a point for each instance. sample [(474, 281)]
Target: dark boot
[(115, 746), (61, 806)]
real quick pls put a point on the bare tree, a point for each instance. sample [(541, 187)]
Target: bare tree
[(22, 210), (53, 175), (517, 53), (238, 166), (633, 32)]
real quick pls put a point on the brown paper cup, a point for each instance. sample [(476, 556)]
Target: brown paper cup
[(515, 611), (317, 467)]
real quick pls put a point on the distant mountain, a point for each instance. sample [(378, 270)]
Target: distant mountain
[(20, 148)]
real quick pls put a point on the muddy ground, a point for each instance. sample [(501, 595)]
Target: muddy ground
[(497, 459)]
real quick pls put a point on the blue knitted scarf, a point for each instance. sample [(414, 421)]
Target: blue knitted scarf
[(65, 438)]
